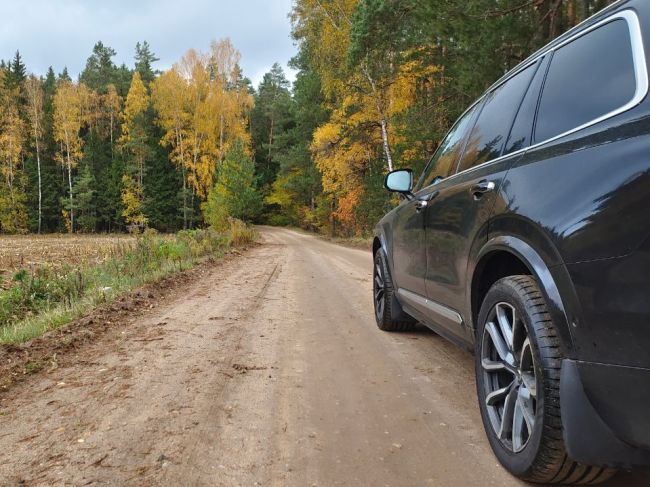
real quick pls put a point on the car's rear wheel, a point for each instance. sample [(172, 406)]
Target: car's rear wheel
[(388, 312), (518, 358)]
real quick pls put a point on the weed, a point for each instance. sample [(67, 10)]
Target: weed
[(43, 298)]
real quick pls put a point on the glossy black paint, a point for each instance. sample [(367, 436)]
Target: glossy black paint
[(574, 212)]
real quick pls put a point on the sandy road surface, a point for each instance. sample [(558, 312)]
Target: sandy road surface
[(269, 371)]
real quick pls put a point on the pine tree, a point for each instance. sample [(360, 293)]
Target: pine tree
[(17, 72), (234, 194), (270, 118), (84, 200), (52, 183), (144, 60), (64, 76), (100, 70)]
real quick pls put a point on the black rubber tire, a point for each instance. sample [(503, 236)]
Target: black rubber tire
[(392, 318), (544, 458)]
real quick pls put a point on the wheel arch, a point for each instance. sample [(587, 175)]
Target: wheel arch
[(503, 256)]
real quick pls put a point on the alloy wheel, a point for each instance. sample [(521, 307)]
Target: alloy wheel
[(509, 380), (379, 290)]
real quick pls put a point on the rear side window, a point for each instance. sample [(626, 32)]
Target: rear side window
[(493, 125), (446, 157), (588, 78), (522, 129)]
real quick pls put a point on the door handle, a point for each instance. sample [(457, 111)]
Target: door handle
[(423, 201), (482, 187)]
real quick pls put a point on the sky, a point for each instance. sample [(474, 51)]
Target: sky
[(63, 32)]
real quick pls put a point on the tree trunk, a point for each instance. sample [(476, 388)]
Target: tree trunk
[(571, 14), (384, 136), (192, 214), (585, 9), (221, 141), (40, 191), (382, 121), (268, 160), (67, 146), (111, 136), (71, 202), (184, 200)]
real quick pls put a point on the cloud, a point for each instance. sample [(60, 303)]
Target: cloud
[(62, 33)]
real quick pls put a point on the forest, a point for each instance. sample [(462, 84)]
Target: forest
[(378, 84)]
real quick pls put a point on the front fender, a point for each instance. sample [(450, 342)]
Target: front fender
[(383, 240)]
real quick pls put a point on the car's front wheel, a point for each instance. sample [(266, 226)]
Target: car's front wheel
[(518, 358), (388, 312)]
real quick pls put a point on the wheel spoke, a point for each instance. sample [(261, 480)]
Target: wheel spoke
[(523, 417), (506, 416), (380, 306), (527, 368), (528, 379), (494, 397), (378, 281), (499, 344), (505, 323), (495, 365), (518, 423), (525, 404)]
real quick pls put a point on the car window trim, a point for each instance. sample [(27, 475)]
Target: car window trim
[(640, 75)]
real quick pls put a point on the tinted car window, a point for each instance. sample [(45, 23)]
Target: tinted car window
[(588, 78), (494, 121), (522, 129), (446, 157)]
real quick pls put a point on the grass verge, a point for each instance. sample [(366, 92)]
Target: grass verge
[(45, 298)]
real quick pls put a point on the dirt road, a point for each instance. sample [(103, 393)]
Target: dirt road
[(269, 371)]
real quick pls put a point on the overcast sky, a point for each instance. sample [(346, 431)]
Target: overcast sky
[(62, 32)]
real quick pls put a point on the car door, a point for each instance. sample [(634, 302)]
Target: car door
[(409, 251), (458, 216)]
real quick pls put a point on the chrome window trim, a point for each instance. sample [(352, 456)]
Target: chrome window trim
[(640, 74)]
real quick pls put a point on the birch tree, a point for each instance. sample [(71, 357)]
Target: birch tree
[(169, 98), (34, 94), (134, 141), (67, 124)]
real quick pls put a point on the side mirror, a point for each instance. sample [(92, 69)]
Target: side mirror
[(399, 181)]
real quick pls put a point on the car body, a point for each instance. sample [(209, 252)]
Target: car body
[(548, 175)]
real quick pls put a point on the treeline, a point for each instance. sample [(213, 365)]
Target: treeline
[(379, 83), (123, 148)]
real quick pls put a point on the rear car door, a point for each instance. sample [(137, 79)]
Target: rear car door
[(458, 217), (409, 256)]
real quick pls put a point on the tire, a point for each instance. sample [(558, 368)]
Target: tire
[(518, 358), (388, 312)]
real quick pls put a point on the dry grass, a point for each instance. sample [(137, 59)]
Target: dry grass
[(31, 251)]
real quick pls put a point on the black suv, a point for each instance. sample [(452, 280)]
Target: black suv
[(527, 240)]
